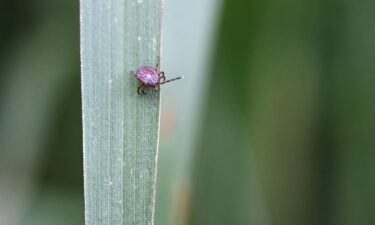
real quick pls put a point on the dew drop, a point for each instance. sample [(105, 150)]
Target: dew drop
[(110, 83), (139, 38), (139, 1)]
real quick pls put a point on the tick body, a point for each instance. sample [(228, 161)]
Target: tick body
[(150, 77)]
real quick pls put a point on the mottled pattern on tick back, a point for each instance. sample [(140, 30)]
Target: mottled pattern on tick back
[(147, 75)]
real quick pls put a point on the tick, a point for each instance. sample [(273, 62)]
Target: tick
[(151, 77)]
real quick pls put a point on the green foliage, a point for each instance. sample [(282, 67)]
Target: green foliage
[(120, 127), (39, 75), (288, 131)]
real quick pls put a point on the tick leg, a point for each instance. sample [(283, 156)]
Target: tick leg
[(161, 76), (139, 89), (143, 90)]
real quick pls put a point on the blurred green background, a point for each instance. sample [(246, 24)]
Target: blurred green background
[(273, 124)]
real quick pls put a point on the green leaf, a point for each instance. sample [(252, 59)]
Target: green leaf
[(120, 127)]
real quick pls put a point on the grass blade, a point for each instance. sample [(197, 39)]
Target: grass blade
[(120, 127)]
